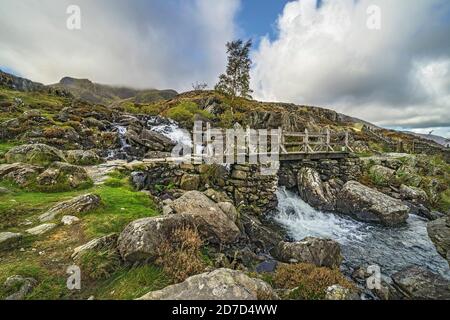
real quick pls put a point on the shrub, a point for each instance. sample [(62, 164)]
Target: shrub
[(308, 281), (181, 256)]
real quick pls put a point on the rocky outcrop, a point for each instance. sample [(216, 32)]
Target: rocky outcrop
[(82, 157), (220, 284), (9, 240), (77, 205), (41, 229), (21, 174), (370, 205), (320, 252), (25, 286), (439, 233), (314, 191), (63, 176), (38, 154), (419, 284)]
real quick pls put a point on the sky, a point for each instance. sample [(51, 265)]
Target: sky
[(396, 75)]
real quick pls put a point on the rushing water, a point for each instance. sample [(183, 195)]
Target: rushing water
[(362, 244), (171, 130)]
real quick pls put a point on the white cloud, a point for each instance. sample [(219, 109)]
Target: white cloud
[(398, 76), (163, 44)]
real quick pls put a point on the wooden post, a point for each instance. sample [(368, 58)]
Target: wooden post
[(346, 140), (306, 140)]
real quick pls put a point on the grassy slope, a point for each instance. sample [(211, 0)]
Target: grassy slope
[(46, 258)]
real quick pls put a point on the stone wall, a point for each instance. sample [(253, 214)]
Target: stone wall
[(343, 169), (250, 191)]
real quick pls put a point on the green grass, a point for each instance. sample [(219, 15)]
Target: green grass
[(132, 283), (49, 286)]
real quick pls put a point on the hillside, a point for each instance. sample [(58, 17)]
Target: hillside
[(88, 91), (93, 184)]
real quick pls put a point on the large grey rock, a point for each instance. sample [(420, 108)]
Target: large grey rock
[(220, 284), (320, 252), (370, 205), (41, 229), (439, 233), (73, 206), (38, 154), (140, 239), (20, 173), (419, 284), (416, 195), (9, 240), (212, 222), (312, 189)]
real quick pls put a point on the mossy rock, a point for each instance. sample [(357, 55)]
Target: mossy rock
[(38, 154), (83, 157), (63, 177)]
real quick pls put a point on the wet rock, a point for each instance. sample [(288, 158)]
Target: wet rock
[(41, 229), (370, 205), (419, 284), (267, 266), (37, 154), (25, 286), (312, 190), (82, 157), (21, 174), (220, 284), (259, 234), (77, 205), (190, 182), (63, 176), (320, 252), (9, 240), (439, 233)]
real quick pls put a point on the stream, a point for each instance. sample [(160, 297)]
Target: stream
[(362, 244)]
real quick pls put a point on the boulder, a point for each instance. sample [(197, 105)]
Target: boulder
[(370, 205), (62, 177), (69, 220), (9, 240), (212, 222), (21, 174), (381, 175), (38, 154), (312, 190), (140, 239), (154, 141), (259, 234), (220, 284), (190, 182), (416, 195), (320, 252), (25, 286), (419, 284), (41, 229), (73, 206), (439, 233), (82, 157)]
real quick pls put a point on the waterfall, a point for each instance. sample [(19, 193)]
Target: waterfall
[(171, 130), (362, 244)]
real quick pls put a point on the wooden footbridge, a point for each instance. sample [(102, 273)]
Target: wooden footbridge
[(289, 146)]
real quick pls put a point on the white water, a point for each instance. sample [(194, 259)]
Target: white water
[(363, 244), (172, 131)]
